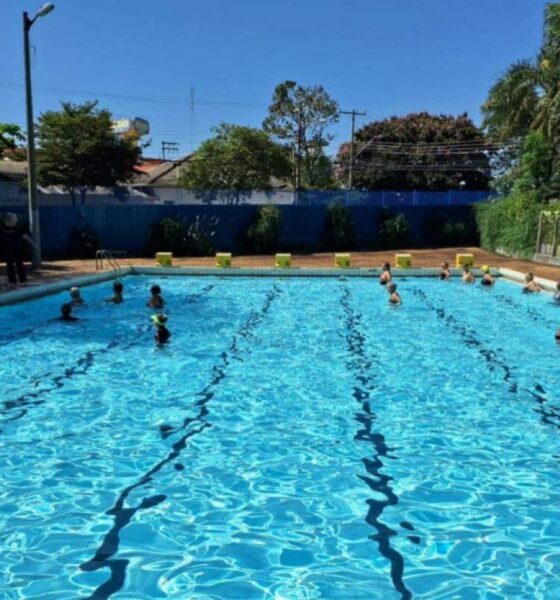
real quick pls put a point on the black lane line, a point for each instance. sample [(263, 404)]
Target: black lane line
[(122, 516), (81, 367), (362, 366), (533, 314), (549, 414)]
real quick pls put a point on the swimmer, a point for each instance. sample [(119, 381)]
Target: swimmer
[(394, 297), (162, 333), (155, 300), (468, 276), (557, 336), (531, 286), (444, 274), (75, 296), (66, 313), (117, 297), (487, 279), (556, 297), (385, 276)]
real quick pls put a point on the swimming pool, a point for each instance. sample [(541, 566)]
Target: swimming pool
[(297, 439)]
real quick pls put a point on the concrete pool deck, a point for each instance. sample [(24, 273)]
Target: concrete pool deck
[(55, 274)]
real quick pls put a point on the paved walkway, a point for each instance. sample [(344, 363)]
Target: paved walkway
[(55, 270)]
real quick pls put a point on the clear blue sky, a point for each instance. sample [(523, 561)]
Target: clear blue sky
[(383, 56)]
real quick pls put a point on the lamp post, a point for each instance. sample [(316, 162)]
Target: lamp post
[(31, 167)]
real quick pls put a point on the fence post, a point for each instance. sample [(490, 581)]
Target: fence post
[(539, 233), (555, 233)]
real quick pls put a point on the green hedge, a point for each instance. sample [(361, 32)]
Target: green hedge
[(510, 223)]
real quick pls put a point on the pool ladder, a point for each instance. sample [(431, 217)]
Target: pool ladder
[(102, 255)]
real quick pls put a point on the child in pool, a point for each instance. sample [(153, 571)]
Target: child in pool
[(468, 276), (531, 286), (394, 297), (444, 274), (117, 297), (385, 276), (487, 279), (155, 300), (66, 313), (76, 297), (162, 333)]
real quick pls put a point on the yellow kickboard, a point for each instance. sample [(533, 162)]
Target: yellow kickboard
[(464, 259), (283, 260), (403, 261), (223, 259), (342, 261), (164, 259)]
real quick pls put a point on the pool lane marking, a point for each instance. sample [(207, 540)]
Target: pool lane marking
[(360, 365), (122, 516), (86, 361), (492, 360)]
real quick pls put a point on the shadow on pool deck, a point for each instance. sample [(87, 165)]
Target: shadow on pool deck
[(64, 269)]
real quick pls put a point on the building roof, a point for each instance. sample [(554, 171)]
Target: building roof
[(164, 174), (13, 170)]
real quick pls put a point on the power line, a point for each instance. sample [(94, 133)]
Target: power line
[(354, 114)]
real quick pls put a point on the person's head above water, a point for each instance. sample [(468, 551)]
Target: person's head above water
[(386, 266), (529, 277), (159, 320), (66, 310), (118, 287), (392, 287), (75, 292), (466, 268), (445, 265), (485, 269), (155, 290)]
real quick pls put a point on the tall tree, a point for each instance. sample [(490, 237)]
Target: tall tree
[(79, 151), (418, 151), (236, 158), (300, 116), (10, 135), (527, 96)]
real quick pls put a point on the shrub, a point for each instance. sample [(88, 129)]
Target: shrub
[(438, 230), (84, 242), (510, 223), (339, 229), (392, 231), (183, 238), (264, 232)]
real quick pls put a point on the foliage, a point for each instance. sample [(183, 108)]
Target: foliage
[(397, 156), (10, 135), (339, 228), (321, 175), (78, 150), (393, 231), (84, 242), (440, 230), (183, 238), (236, 158), (264, 231), (300, 116), (510, 223)]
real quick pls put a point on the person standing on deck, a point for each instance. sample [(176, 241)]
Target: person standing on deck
[(13, 234)]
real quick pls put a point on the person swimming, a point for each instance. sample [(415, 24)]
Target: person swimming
[(531, 286), (162, 334), (75, 296), (385, 276), (487, 279), (556, 297), (117, 297), (468, 276), (155, 300), (444, 273), (66, 313), (394, 297)]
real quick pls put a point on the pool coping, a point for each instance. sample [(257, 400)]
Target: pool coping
[(30, 293)]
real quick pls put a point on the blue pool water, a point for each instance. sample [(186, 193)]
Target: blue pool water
[(297, 439)]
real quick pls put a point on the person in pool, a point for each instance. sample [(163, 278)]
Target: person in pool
[(66, 313), (385, 276), (531, 286), (155, 300), (557, 336), (117, 297), (444, 274), (487, 279), (394, 297), (468, 276), (556, 297), (75, 296), (162, 333)]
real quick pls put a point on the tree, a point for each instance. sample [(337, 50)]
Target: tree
[(10, 135), (527, 96), (300, 116), (419, 151), (236, 158), (79, 151)]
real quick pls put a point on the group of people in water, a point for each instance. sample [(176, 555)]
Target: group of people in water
[(155, 302)]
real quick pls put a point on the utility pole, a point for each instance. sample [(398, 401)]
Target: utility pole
[(169, 147), (298, 150), (354, 113), (192, 118)]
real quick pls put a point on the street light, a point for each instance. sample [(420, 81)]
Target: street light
[(31, 167)]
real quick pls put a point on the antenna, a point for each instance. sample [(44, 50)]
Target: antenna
[(169, 147)]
